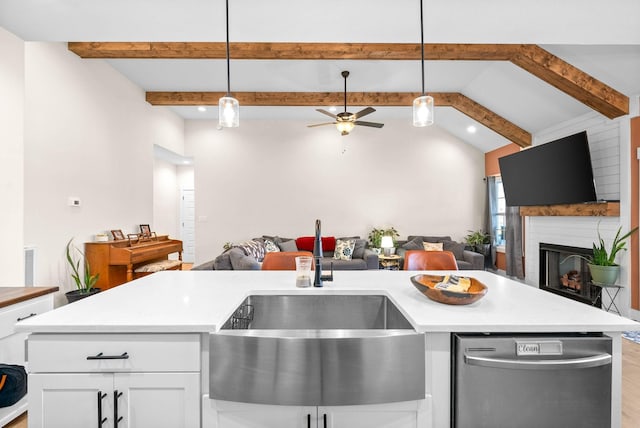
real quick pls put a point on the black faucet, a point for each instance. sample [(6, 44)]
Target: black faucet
[(317, 255)]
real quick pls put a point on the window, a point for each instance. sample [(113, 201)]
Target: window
[(498, 209)]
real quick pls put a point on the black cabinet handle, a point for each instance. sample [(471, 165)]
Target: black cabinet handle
[(308, 420), (101, 356), (324, 417), (101, 420), (24, 318), (116, 418)]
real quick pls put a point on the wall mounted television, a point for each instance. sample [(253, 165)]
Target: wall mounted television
[(558, 172)]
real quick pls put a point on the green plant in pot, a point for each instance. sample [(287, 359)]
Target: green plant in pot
[(602, 263), (478, 240), (84, 281), (375, 236)]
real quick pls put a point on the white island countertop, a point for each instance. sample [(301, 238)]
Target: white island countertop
[(200, 302)]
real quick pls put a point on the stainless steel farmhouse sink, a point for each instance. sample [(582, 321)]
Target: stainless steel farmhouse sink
[(317, 350)]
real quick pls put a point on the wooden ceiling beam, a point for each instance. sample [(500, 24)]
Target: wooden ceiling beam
[(458, 101), (572, 81), (293, 51), (532, 58)]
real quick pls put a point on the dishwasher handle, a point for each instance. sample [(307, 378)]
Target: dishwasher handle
[(573, 363)]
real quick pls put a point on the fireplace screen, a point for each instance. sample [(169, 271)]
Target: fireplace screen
[(564, 272)]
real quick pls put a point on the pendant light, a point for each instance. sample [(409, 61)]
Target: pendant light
[(423, 107), (228, 107)]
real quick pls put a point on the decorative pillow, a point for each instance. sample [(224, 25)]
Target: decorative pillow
[(305, 243), (358, 250), (413, 244), (432, 246), (289, 245), (344, 249), (252, 248), (270, 246), (457, 248)]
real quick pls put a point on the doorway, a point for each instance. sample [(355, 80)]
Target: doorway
[(187, 225)]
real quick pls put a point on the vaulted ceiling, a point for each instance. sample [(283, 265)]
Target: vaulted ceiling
[(510, 70)]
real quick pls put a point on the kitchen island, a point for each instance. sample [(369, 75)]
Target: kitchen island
[(150, 336)]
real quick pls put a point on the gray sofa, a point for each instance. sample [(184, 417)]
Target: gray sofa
[(466, 259), (244, 257)]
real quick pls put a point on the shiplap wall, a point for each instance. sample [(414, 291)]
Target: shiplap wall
[(609, 144)]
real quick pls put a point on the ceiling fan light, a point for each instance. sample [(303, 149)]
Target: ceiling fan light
[(228, 112), (423, 111), (345, 127)]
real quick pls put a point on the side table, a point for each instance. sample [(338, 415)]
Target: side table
[(611, 291), (391, 262)]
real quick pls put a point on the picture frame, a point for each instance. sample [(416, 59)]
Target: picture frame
[(117, 235), (145, 230)]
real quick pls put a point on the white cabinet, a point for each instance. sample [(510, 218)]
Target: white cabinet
[(114, 380), (159, 400), (407, 414), (12, 343), (226, 414)]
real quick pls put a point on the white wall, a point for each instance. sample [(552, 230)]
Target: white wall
[(609, 145), (89, 134), (278, 177), (11, 159)]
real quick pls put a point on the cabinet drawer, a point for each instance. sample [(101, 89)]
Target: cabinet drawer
[(82, 353), (10, 315)]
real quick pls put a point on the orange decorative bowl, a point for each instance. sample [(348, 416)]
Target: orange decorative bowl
[(426, 284)]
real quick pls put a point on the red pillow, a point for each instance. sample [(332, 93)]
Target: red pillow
[(305, 243)]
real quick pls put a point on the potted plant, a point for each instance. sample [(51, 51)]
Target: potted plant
[(375, 237), (85, 282), (479, 241), (602, 263)]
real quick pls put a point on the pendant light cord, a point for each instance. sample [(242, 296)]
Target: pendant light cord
[(228, 68), (421, 43)]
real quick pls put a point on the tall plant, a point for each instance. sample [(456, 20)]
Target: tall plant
[(601, 256), (85, 282)]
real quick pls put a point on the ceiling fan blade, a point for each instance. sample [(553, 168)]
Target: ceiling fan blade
[(371, 124), (321, 124), (364, 112), (327, 113)]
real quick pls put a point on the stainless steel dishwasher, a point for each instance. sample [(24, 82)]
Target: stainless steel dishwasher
[(531, 381)]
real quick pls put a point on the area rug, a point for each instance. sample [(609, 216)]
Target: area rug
[(634, 336)]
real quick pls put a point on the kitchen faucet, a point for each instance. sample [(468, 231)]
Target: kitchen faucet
[(317, 255)]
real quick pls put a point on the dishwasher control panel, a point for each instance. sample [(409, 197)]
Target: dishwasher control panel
[(538, 347)]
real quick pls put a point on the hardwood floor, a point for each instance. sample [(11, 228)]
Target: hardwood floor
[(19, 422), (630, 388)]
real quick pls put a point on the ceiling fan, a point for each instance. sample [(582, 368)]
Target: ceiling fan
[(346, 121)]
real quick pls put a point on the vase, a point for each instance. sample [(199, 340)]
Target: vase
[(604, 274), (75, 295)]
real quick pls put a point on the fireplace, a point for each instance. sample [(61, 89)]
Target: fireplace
[(567, 276)]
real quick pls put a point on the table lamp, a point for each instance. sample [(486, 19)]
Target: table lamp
[(387, 244)]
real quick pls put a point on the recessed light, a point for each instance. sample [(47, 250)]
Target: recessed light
[(471, 129), (202, 109), (332, 109)]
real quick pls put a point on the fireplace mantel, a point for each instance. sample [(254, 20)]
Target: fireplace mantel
[(597, 209)]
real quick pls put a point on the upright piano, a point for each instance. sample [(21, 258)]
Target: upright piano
[(116, 261)]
